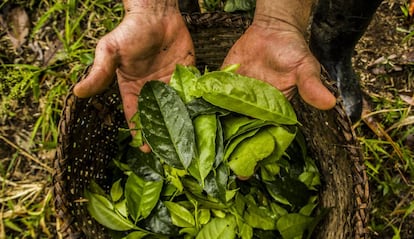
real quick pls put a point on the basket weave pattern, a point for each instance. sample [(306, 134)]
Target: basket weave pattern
[(88, 133)]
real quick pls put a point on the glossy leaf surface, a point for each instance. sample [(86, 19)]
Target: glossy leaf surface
[(167, 126), (116, 191), (145, 165), (180, 216), (199, 106), (246, 96), (205, 130), (244, 159), (219, 228), (141, 195), (101, 209), (183, 81), (159, 221)]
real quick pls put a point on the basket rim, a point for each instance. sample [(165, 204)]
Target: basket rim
[(201, 21)]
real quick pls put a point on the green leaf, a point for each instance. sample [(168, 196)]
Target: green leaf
[(211, 5), (95, 188), (277, 209), (397, 232), (159, 221), (311, 175), (308, 209), (218, 213), (173, 177), (183, 81), (142, 196), (293, 225), (204, 216), (180, 216), (260, 217), (199, 106), (409, 210), (102, 210), (137, 140), (216, 183), (189, 232), (232, 145), (246, 231), (239, 5), (239, 203), (310, 179), (244, 159), (205, 129), (204, 201), (116, 191), (269, 172), (219, 145), (121, 208), (246, 96), (283, 137), (8, 223), (167, 126), (145, 165), (136, 235), (293, 190), (219, 228), (235, 125), (122, 166), (191, 185)]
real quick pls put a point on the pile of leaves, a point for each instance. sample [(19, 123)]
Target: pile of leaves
[(227, 161)]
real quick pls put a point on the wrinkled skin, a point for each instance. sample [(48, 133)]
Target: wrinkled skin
[(283, 59), (142, 48), (153, 38)]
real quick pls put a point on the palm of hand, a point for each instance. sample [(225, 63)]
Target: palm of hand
[(283, 59), (138, 50)]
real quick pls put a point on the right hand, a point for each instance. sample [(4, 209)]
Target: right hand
[(145, 46)]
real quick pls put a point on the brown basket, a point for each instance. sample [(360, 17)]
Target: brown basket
[(88, 132)]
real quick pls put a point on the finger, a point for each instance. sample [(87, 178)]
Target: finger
[(145, 148), (130, 103), (315, 93), (101, 74)]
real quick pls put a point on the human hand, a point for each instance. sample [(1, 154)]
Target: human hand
[(146, 45), (279, 55)]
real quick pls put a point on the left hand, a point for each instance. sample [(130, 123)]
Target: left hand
[(283, 59)]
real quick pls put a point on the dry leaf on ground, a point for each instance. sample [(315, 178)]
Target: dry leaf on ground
[(18, 26)]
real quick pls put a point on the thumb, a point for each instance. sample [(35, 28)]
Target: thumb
[(315, 93), (101, 74)]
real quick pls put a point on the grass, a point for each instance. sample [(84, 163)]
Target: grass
[(390, 165), (36, 76)]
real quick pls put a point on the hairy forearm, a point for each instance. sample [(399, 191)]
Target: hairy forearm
[(154, 6), (282, 13)]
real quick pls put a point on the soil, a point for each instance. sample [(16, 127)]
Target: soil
[(384, 61)]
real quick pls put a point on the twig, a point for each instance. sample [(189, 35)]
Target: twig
[(26, 154), (27, 192), (397, 209), (381, 133)]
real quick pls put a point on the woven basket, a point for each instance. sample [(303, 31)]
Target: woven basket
[(88, 131)]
